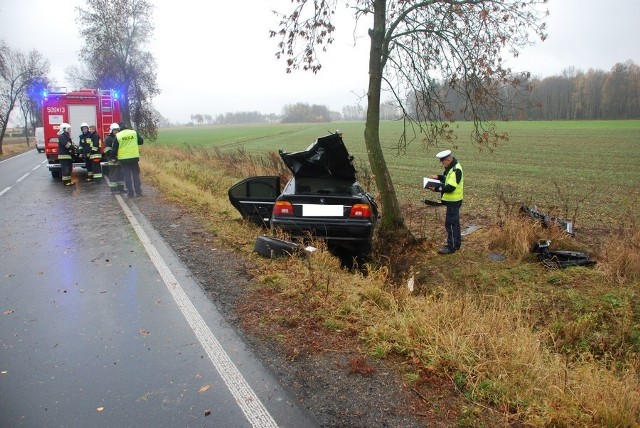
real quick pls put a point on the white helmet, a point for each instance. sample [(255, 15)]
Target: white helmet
[(114, 126), (84, 125), (64, 127)]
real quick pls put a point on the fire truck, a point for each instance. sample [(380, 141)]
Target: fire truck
[(98, 107)]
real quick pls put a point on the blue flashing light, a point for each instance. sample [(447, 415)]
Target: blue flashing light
[(115, 95), (45, 94)]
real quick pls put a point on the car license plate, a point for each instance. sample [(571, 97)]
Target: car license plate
[(315, 210)]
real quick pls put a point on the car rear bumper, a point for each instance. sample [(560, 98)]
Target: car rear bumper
[(346, 230)]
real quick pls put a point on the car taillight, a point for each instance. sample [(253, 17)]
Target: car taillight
[(283, 208), (360, 211)]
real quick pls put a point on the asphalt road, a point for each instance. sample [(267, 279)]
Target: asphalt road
[(102, 326)]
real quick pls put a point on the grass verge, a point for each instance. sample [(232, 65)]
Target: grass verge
[(543, 347)]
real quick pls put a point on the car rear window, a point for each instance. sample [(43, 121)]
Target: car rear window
[(326, 186)]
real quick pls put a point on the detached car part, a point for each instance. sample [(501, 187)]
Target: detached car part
[(560, 259), (270, 247), (546, 219), (431, 203)]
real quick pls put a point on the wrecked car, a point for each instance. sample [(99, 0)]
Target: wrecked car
[(322, 199)]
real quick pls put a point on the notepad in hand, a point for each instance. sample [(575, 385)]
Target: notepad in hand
[(430, 183)]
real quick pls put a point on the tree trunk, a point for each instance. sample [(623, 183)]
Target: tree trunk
[(26, 128), (125, 106), (392, 223), (3, 130)]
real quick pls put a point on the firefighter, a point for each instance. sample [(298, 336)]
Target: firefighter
[(66, 150), (128, 155), (116, 183), (84, 146), (95, 155)]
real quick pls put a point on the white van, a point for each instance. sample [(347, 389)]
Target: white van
[(40, 139)]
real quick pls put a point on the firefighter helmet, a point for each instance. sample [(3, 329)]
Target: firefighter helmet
[(84, 125), (64, 127), (114, 126)]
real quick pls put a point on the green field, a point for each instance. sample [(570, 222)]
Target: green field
[(586, 171)]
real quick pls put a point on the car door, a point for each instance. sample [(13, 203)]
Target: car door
[(254, 198)]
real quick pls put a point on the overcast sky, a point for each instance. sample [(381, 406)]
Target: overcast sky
[(216, 56)]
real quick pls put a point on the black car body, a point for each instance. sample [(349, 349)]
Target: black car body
[(321, 200)]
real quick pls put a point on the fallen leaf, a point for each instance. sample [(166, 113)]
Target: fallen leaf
[(207, 412), (9, 311), (204, 388), (144, 332)]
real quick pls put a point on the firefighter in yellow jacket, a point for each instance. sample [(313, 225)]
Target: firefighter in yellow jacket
[(128, 156)]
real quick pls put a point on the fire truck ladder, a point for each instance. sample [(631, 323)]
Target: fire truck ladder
[(106, 110)]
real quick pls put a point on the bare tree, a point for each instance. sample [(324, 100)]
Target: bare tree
[(415, 44), (116, 35), (17, 72)]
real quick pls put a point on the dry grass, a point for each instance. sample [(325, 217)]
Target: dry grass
[(511, 336), (14, 146), (620, 253)]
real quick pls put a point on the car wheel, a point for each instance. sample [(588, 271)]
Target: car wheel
[(270, 247)]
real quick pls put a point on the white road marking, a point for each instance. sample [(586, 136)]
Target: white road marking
[(5, 191), (246, 398), (23, 177), (35, 167)]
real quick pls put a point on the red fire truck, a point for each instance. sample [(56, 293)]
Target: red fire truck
[(98, 107)]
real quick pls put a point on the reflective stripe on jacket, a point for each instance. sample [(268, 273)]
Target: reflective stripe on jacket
[(95, 146), (65, 146)]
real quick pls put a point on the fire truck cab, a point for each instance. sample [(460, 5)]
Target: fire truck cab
[(97, 107)]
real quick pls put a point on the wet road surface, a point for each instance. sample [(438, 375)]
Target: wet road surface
[(102, 326)]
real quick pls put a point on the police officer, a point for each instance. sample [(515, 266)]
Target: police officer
[(116, 182), (66, 150), (84, 145), (128, 156), (95, 155), (451, 190)]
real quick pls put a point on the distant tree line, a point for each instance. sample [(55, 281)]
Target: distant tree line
[(242, 117), (573, 95), (388, 111), (235, 118), (305, 113), (291, 113), (595, 94)]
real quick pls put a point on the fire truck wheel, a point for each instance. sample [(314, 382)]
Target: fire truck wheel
[(55, 174)]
